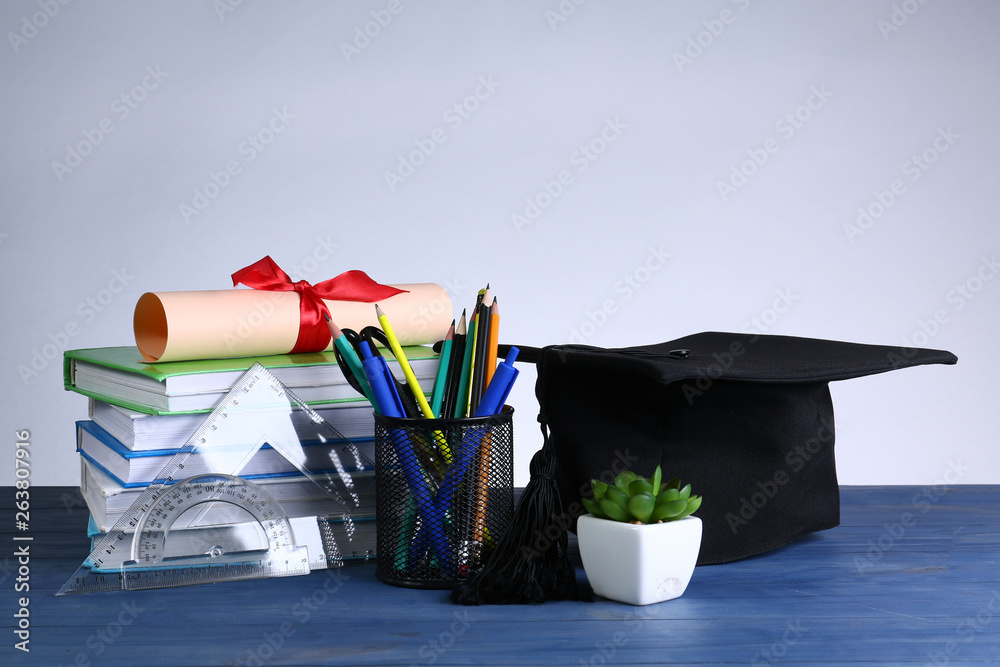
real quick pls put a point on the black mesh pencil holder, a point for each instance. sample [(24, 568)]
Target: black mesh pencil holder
[(444, 493)]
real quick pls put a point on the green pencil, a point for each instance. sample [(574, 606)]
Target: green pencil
[(441, 379)]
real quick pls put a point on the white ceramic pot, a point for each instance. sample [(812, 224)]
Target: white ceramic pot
[(639, 564)]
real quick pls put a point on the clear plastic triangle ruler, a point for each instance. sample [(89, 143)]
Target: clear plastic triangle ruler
[(200, 522)]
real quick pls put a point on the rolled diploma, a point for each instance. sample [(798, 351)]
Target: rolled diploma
[(217, 324)]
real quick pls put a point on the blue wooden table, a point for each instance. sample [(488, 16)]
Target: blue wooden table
[(912, 576)]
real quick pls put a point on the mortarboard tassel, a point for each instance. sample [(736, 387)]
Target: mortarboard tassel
[(518, 572)]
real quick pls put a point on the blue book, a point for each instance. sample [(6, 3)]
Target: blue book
[(132, 468)]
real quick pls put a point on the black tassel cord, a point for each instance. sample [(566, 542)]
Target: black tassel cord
[(524, 568)]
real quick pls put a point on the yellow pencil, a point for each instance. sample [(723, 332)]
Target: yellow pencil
[(397, 351), (411, 380)]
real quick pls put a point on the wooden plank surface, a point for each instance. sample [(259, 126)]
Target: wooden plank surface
[(912, 576)]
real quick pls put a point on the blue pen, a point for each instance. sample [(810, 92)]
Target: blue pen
[(391, 384), (440, 504), (499, 388), (389, 404), (491, 403), (386, 398), (380, 395)]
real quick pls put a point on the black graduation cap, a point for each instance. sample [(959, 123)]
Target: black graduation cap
[(747, 419)]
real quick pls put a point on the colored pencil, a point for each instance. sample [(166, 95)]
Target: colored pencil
[(455, 368), (397, 351), (441, 379), (482, 343), (491, 352), (462, 395), (350, 356)]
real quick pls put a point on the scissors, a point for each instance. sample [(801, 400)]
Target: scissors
[(372, 335), (435, 455)]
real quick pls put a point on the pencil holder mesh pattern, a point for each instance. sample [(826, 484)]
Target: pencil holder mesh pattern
[(444, 495)]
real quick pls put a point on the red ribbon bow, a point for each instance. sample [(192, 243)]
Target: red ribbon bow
[(314, 334)]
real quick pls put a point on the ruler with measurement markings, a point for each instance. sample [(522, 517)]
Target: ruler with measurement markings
[(167, 538)]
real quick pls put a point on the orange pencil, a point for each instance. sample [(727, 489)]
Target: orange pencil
[(491, 353)]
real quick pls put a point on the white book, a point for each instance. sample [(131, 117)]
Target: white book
[(141, 431)]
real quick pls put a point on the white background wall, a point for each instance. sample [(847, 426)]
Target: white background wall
[(841, 98)]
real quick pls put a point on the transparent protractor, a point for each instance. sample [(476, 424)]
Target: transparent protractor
[(212, 519)]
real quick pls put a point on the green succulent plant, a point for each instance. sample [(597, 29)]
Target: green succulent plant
[(641, 500)]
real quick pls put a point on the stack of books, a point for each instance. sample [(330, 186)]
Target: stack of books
[(141, 414)]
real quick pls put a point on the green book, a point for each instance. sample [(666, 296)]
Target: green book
[(118, 375)]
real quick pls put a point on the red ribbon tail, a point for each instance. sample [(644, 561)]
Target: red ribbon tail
[(355, 286)]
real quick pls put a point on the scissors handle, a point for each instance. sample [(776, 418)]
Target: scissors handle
[(373, 335), (354, 339)]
